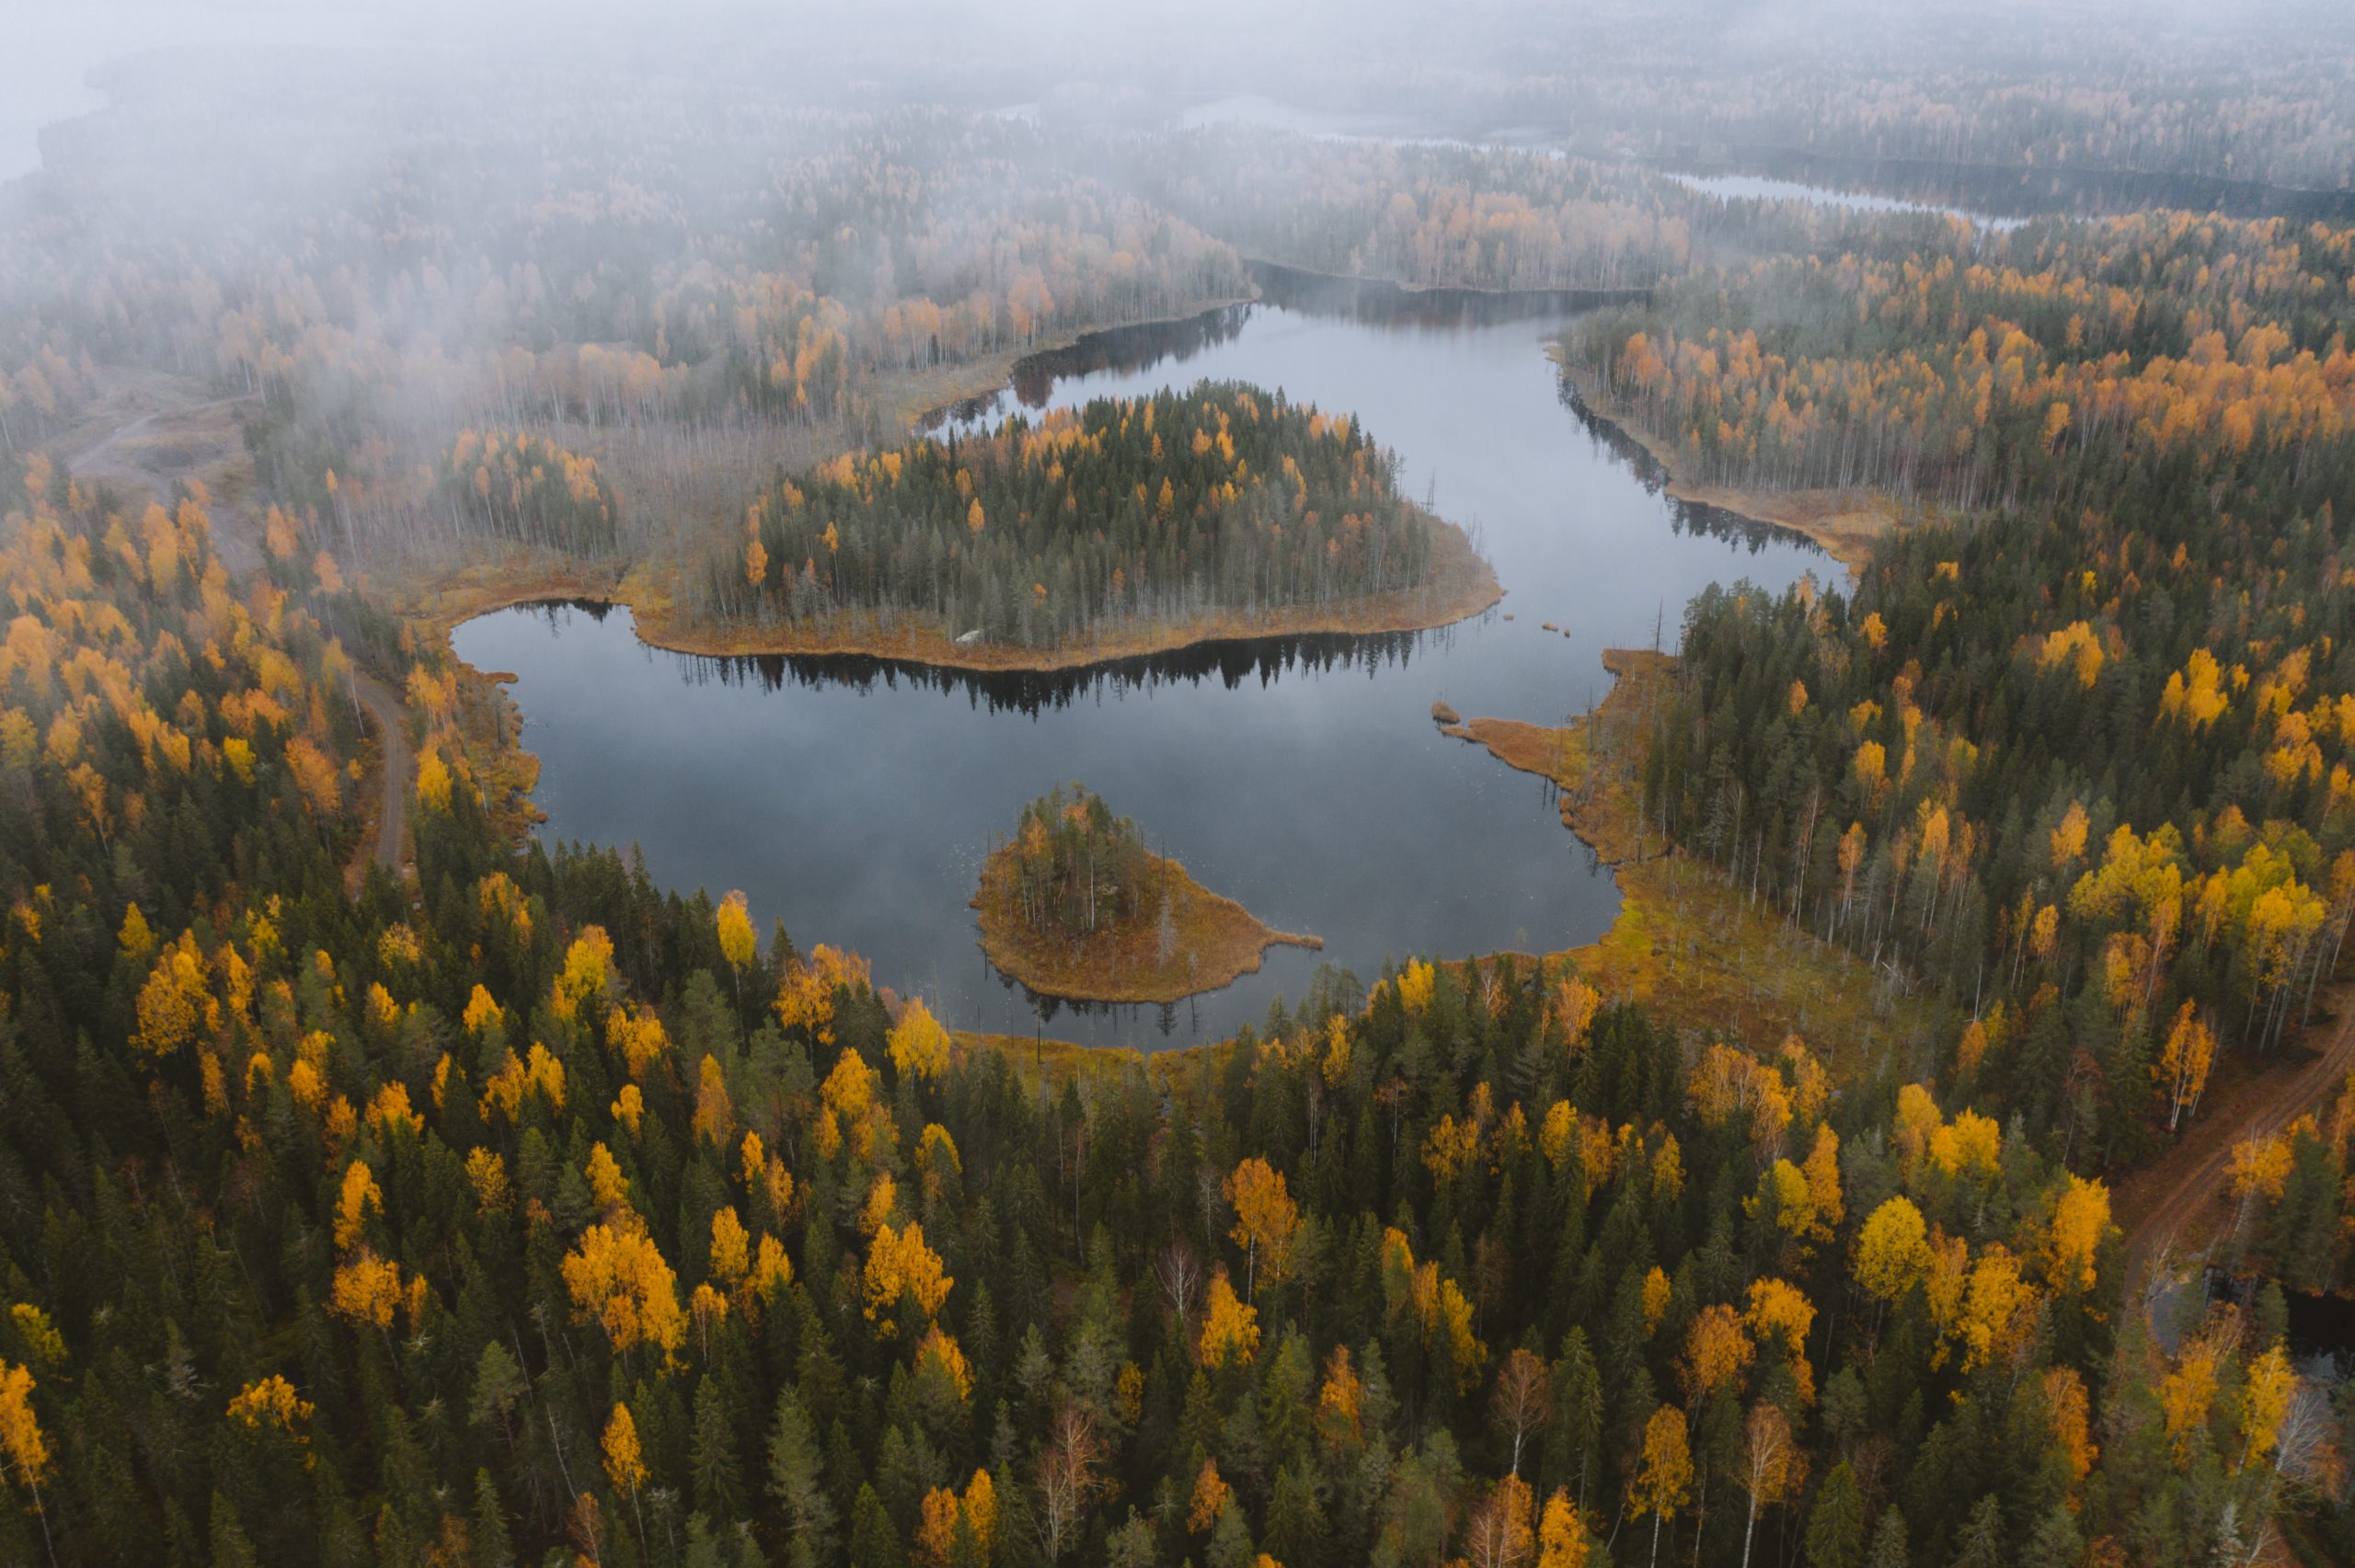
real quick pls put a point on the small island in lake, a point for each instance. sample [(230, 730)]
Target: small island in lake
[(1075, 906)]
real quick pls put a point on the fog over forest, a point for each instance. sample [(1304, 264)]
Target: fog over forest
[(1714, 668)]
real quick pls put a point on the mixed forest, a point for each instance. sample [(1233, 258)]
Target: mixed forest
[(2047, 366), (544, 1215), (1077, 868), (2068, 750), (399, 1187)]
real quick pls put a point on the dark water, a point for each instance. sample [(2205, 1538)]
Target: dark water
[(1302, 777)]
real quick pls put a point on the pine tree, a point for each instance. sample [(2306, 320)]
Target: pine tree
[(874, 1543), (1295, 1531), (718, 1485), (1889, 1541), (1981, 1544), (1836, 1526), (1577, 1429), (797, 1481), (2057, 1543), (492, 1545), (231, 1548)]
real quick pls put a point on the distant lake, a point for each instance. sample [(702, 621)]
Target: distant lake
[(1996, 195), (1759, 187), (1300, 776)]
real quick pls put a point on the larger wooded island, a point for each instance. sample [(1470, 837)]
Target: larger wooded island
[(1126, 526), (1075, 906)]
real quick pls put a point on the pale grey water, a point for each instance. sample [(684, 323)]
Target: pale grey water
[(1759, 187)]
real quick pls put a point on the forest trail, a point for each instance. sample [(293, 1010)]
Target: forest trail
[(2184, 1188), (155, 430), (393, 765), (151, 432)]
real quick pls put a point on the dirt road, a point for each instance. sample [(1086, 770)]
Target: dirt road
[(2175, 1198), (394, 766), (149, 431)]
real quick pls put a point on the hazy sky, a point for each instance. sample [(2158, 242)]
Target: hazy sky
[(957, 51), (52, 45)]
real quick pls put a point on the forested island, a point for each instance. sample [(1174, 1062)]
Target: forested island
[(1126, 525), (1075, 906)]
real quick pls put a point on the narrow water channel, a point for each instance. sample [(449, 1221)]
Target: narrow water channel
[(1760, 187), (1303, 777)]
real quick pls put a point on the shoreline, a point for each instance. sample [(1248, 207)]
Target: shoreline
[(1844, 524), (921, 408), (1464, 584), (1581, 296), (444, 601), (1802, 165), (1686, 941), (1649, 951), (1559, 753), (1220, 942)]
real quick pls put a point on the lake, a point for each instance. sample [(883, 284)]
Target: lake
[(1304, 776), (1759, 187)]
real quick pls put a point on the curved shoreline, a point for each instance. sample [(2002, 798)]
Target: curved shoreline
[(994, 373), (1844, 524), (1462, 582), (1219, 943)]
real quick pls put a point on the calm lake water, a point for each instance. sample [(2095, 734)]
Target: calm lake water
[(1303, 777)]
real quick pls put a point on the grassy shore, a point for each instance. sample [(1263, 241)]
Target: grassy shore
[(1213, 941), (1688, 944)]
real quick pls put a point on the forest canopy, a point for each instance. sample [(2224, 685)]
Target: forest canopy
[(384, 1184), (1076, 866), (2073, 747), (2043, 367)]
